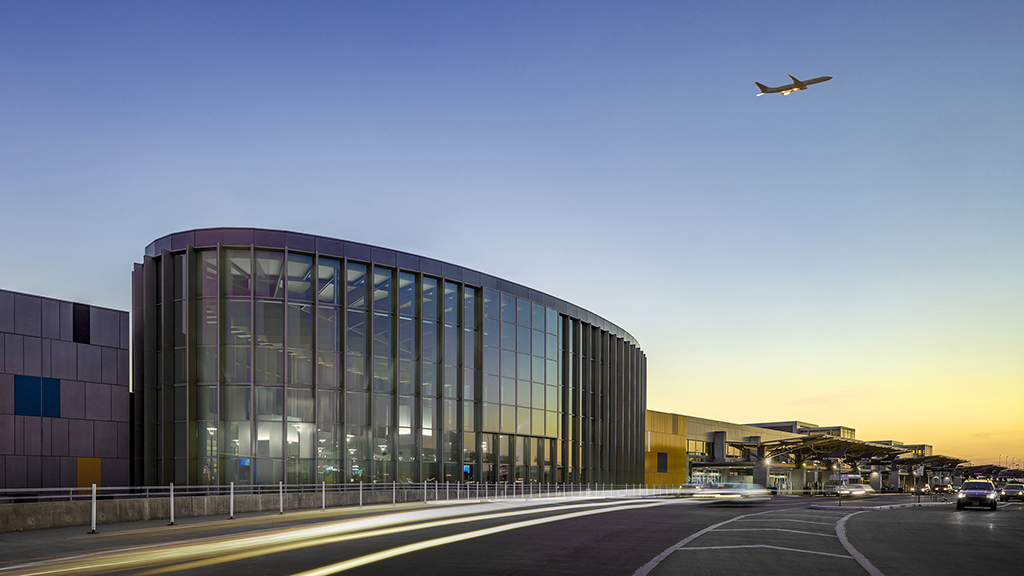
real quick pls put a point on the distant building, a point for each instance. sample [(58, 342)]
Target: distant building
[(64, 401)]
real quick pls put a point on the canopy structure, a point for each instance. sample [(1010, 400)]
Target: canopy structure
[(819, 447), (935, 462), (999, 473)]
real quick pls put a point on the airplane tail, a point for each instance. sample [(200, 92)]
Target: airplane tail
[(763, 88)]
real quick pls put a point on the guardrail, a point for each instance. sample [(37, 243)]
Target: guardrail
[(22, 509)]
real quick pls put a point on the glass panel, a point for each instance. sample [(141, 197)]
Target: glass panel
[(328, 406), (523, 421), (469, 384), (429, 299), (356, 410), (355, 337), (406, 404), (238, 273), (301, 440), (430, 449), (206, 367), (429, 341), (450, 417), (552, 372), (451, 381), (328, 281), (469, 348), (356, 280), (508, 363), (523, 362), (538, 422), (236, 440), (539, 312), (551, 350), (508, 419), (427, 413), (206, 262), (406, 447), (491, 360), (451, 345), (329, 442), (381, 334), (300, 277), (552, 398), (269, 403), (538, 343), (269, 274), (523, 390), (237, 362), (206, 333), (492, 389), (538, 395), (491, 415), (508, 391), (429, 376), (406, 338), (300, 405), (406, 294), (524, 312), (327, 374), (237, 403), (237, 324), (451, 298), (357, 442), (492, 332), (300, 367), (269, 365), (206, 402), (406, 377), (468, 307), (524, 339), (269, 440), (552, 423), (538, 369), (382, 376), (179, 323), (269, 323), (382, 450), (328, 328), (508, 308), (508, 336), (206, 445), (300, 325), (355, 372), (469, 447), (382, 289), (492, 303), (356, 470), (468, 417), (552, 323)]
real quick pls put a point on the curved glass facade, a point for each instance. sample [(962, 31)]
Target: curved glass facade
[(263, 356)]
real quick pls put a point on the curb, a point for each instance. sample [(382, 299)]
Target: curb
[(886, 507)]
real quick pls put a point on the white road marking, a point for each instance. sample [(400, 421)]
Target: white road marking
[(860, 558), (789, 520), (768, 546), (774, 529)]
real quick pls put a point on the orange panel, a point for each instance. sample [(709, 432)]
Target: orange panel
[(90, 472)]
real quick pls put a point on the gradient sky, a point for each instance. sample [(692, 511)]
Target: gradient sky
[(852, 254)]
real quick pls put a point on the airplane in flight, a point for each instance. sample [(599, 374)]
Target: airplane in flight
[(790, 88)]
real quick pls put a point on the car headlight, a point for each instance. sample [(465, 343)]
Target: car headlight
[(959, 494), (1003, 492), (991, 494)]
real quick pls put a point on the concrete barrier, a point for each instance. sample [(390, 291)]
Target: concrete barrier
[(57, 514)]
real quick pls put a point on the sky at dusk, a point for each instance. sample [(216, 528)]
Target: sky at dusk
[(852, 254)]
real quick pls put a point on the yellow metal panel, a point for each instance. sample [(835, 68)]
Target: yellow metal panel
[(659, 438), (90, 472)]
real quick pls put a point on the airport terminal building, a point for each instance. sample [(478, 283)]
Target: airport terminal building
[(262, 356)]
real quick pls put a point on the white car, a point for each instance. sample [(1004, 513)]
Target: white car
[(735, 492), (856, 491)]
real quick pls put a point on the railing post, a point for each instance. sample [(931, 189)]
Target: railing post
[(172, 505), (360, 493), (447, 494), (394, 492), (323, 505), (280, 488), (231, 501), (93, 531)]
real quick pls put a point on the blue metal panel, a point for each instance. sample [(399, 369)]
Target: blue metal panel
[(51, 397), (26, 395)]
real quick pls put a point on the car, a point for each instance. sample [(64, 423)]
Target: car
[(977, 493), (735, 493), (921, 489), (942, 489), (1012, 492), (856, 491)]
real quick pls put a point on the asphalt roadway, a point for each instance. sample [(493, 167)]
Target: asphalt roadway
[(615, 535)]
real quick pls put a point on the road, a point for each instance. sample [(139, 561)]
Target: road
[(615, 536)]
